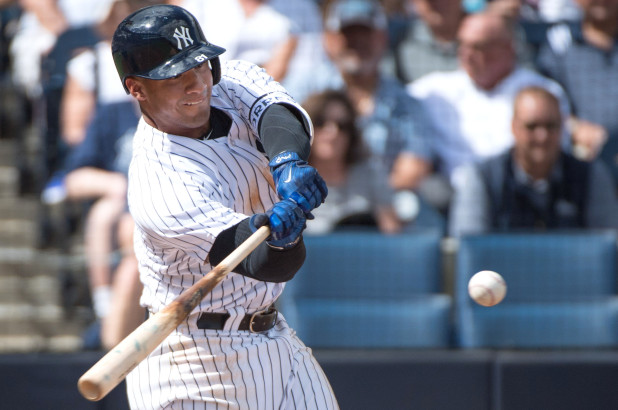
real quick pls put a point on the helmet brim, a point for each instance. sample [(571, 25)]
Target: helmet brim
[(182, 62)]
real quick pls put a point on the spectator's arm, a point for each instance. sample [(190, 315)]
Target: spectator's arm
[(408, 171), (279, 63), (76, 110), (470, 208), (588, 138)]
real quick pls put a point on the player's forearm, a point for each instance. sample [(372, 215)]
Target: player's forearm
[(282, 131), (264, 263)]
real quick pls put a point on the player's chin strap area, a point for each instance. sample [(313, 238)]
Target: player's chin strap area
[(258, 322)]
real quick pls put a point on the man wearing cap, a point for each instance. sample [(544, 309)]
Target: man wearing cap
[(391, 123), (220, 150)]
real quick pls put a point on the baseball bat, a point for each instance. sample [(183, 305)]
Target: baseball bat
[(114, 366)]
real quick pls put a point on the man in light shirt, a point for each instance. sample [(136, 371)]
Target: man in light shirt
[(471, 107), (536, 184)]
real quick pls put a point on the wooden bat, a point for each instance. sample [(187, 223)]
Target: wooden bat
[(112, 368)]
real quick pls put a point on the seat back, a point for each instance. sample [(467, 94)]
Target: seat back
[(368, 290), (548, 267), (369, 265), (560, 290)]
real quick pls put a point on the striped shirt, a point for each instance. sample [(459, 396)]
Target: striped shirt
[(183, 192)]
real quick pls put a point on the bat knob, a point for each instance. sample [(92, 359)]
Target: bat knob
[(89, 389)]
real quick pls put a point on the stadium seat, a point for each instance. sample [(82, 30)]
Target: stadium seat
[(561, 291), (368, 290)]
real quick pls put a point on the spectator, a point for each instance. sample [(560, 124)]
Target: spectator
[(252, 30), (99, 119), (471, 107), (309, 52), (358, 190), (97, 171), (91, 77), (400, 17), (540, 11), (536, 184), (390, 121), (534, 18), (69, 97), (41, 22), (583, 57), (432, 41)]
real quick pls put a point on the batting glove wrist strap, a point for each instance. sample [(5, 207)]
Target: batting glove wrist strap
[(286, 221), (295, 179)]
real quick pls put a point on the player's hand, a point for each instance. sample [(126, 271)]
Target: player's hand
[(296, 180), (286, 221)]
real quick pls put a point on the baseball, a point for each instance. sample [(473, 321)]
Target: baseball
[(487, 288)]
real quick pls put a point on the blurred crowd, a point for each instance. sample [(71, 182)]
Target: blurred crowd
[(465, 116)]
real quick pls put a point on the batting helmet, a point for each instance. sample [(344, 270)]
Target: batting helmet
[(162, 41)]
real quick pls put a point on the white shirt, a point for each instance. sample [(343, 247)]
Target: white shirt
[(471, 123), (251, 38), (95, 70)]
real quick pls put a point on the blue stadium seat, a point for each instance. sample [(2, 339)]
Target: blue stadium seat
[(368, 290), (561, 290)]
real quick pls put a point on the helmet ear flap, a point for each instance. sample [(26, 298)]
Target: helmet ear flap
[(215, 68)]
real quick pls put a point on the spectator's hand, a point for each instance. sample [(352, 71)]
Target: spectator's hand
[(298, 181), (287, 221), (588, 138)]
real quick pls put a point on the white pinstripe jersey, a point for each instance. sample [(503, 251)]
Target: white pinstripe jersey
[(183, 192)]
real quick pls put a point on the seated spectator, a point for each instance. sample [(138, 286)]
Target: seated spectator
[(582, 56), (390, 121), (252, 30), (471, 107), (431, 44), (91, 76), (309, 52), (97, 171), (358, 190), (536, 184)]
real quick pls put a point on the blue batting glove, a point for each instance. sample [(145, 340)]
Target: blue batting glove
[(296, 180), (286, 221)]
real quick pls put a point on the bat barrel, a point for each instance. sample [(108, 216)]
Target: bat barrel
[(112, 368)]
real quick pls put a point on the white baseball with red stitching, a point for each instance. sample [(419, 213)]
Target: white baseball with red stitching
[(487, 288)]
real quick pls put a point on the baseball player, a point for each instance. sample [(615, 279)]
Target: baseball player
[(220, 150)]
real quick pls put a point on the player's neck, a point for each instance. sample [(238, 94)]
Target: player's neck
[(195, 133)]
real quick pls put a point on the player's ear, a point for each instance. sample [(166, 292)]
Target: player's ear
[(136, 88)]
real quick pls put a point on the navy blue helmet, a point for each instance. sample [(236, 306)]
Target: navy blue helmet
[(162, 41)]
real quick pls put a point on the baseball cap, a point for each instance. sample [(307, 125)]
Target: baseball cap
[(344, 13)]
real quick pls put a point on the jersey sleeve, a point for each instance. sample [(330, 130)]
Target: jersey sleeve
[(251, 90)]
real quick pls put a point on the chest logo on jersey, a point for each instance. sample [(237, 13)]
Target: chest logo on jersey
[(182, 33)]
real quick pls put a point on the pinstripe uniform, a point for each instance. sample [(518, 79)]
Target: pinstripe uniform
[(182, 193)]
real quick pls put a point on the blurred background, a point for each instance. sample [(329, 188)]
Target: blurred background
[(455, 136)]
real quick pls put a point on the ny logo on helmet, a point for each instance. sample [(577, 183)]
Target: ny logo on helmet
[(182, 33)]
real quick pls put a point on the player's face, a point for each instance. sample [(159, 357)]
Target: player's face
[(537, 127), (178, 105)]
